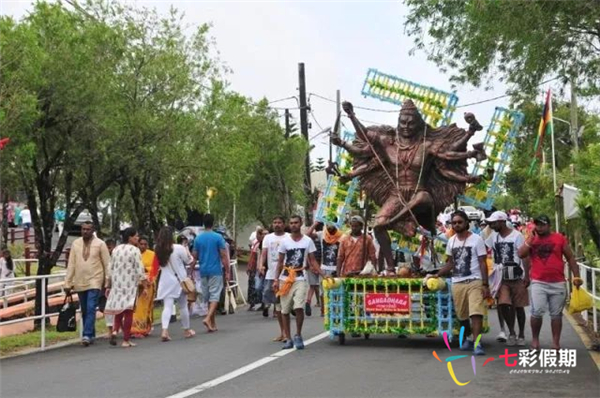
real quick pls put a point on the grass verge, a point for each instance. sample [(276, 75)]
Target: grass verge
[(19, 342)]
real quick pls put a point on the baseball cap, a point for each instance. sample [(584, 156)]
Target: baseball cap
[(357, 219), (542, 219), (496, 216)]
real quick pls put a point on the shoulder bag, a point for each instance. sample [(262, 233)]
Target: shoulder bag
[(187, 284)]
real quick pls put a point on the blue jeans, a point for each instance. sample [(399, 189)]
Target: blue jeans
[(89, 302), (258, 283)]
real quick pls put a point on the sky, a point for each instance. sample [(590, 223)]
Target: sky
[(263, 42)]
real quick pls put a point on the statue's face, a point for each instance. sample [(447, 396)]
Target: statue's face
[(407, 124)]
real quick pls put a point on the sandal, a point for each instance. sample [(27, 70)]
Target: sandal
[(280, 338), (127, 344), (209, 329), (188, 334), (165, 337)]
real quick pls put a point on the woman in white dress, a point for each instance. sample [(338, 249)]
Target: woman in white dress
[(7, 270), (173, 259), (127, 273)]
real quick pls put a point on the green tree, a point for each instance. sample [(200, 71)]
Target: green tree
[(587, 180), (534, 193), (53, 117), (520, 41)]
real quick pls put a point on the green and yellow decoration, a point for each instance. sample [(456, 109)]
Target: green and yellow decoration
[(436, 106)]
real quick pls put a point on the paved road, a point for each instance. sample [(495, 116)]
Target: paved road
[(384, 366)]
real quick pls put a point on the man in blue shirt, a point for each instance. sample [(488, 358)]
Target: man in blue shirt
[(210, 249)]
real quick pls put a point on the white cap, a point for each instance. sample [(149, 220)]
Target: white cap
[(496, 216)]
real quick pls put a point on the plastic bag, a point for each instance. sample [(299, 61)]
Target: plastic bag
[(369, 269), (580, 300)]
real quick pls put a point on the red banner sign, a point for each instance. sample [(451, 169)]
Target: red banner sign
[(387, 303)]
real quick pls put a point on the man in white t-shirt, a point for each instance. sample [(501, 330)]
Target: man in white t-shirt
[(268, 266), (466, 260), (26, 218), (296, 253), (512, 274)]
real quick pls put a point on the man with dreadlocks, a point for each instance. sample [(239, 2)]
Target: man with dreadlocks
[(413, 172)]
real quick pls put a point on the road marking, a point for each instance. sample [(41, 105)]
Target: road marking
[(244, 369)]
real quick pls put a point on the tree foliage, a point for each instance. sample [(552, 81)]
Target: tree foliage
[(520, 41), (109, 104), (534, 193)]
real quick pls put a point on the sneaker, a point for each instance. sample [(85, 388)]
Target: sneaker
[(479, 350), (298, 342), (467, 346), (521, 342), (289, 344), (85, 341), (501, 337), (266, 312), (307, 309), (512, 341)]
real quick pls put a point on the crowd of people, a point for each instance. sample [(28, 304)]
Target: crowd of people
[(18, 215), (490, 263), (499, 264), (287, 266), (125, 280)]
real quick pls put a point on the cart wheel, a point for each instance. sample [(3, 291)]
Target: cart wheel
[(342, 338), (367, 336)]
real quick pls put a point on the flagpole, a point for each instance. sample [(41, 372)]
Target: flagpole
[(554, 170)]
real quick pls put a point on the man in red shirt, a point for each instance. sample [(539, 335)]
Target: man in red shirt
[(548, 287)]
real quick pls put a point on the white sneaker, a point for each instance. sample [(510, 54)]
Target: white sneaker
[(521, 342), (501, 337), (512, 341)]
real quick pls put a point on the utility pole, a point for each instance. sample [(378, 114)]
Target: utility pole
[(304, 130), (287, 124)]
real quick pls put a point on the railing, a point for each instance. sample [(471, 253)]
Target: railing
[(43, 316), (590, 279), (27, 280), (28, 287)]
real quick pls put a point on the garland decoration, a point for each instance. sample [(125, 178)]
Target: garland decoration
[(436, 106), (503, 128)]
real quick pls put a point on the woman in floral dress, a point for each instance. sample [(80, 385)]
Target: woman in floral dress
[(127, 274)]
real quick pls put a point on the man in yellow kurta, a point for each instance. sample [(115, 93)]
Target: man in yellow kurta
[(143, 317), (87, 274)]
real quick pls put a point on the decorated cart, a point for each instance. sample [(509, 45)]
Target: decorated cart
[(389, 305)]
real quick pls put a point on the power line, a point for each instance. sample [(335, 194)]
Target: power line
[(315, 119), (503, 96), (355, 106), (283, 109), (285, 99), (460, 106), (366, 121)]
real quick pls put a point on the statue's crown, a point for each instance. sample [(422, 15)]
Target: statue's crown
[(408, 105)]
